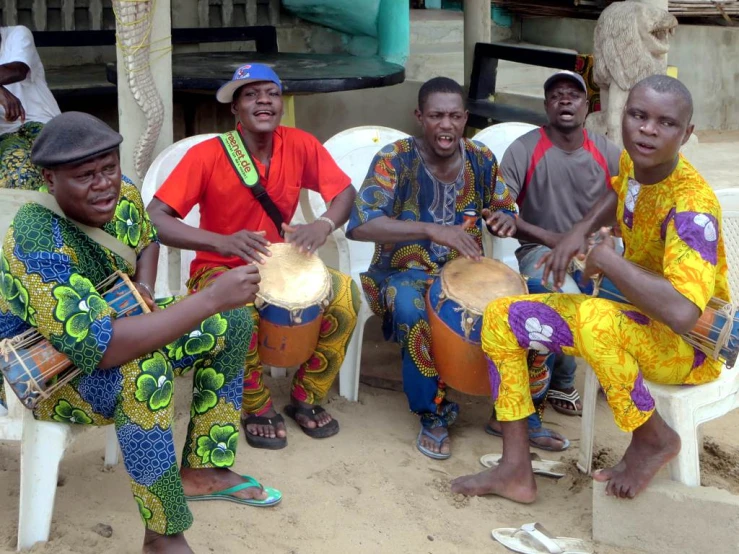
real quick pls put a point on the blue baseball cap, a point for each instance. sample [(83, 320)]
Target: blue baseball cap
[(249, 73)]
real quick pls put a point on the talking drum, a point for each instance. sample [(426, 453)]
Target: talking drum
[(34, 369), (293, 292), (455, 303)]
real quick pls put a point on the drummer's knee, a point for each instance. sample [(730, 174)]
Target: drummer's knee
[(238, 326), (409, 308), (596, 314)]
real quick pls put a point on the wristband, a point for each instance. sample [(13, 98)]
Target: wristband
[(327, 220), (147, 288)]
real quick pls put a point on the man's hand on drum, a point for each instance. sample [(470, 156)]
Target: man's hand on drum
[(246, 245), (309, 237), (597, 242), (235, 288), (146, 296), (499, 223), (556, 262), (454, 236)]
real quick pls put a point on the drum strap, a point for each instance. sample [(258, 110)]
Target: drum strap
[(238, 155), (96, 234)]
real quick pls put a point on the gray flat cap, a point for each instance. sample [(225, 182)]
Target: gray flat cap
[(73, 137)]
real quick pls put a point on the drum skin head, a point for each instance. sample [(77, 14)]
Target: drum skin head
[(293, 280), (473, 285)]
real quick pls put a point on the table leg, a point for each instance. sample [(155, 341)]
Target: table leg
[(288, 105)]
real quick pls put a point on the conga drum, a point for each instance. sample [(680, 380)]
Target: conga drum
[(294, 290), (455, 303)]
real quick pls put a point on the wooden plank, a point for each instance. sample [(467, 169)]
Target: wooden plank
[(39, 15), (204, 13), (10, 13), (96, 15), (67, 15), (227, 13), (251, 12), (274, 12)]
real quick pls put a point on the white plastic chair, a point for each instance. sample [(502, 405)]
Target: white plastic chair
[(171, 280), (42, 443), (353, 151), (684, 408), (498, 138)]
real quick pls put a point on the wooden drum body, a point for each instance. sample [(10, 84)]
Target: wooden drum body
[(455, 303), (34, 369), (294, 290)]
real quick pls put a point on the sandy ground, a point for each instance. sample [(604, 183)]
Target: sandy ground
[(367, 489)]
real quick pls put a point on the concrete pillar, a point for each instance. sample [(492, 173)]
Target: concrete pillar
[(476, 29), (131, 119)]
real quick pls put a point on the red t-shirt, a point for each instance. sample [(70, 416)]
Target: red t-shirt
[(206, 178)]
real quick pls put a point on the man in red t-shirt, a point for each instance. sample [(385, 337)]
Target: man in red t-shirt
[(236, 228)]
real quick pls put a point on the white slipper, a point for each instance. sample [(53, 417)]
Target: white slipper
[(547, 468), (533, 538)]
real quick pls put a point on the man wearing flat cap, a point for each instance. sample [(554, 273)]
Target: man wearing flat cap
[(59, 248), (247, 184), (556, 173)]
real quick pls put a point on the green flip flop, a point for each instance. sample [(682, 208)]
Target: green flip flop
[(273, 495)]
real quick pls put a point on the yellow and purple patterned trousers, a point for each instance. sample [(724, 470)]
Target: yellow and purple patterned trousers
[(622, 345), (314, 378)]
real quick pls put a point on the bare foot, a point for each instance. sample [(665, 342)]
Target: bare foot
[(512, 481), (652, 446), (555, 443), (154, 543), (209, 480), (446, 445), (319, 420), (265, 430)]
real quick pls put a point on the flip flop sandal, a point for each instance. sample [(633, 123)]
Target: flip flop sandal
[(438, 440), (274, 496), (569, 398), (536, 434), (533, 538), (547, 468), (269, 443), (328, 430)]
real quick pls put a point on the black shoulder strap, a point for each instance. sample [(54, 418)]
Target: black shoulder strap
[(241, 161)]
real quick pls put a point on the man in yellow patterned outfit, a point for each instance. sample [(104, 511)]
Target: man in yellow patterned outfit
[(670, 220)]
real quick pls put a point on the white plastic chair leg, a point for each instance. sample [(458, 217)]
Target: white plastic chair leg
[(111, 447), (590, 397), (349, 372), (42, 449), (685, 468)]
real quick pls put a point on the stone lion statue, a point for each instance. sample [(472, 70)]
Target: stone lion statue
[(631, 42)]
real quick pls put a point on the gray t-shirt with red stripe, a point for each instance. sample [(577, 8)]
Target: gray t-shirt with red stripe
[(554, 189)]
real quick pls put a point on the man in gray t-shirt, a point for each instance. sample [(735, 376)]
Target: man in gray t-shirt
[(556, 173)]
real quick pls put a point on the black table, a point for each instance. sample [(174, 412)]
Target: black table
[(205, 72)]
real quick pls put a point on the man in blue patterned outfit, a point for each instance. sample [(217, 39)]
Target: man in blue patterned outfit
[(412, 206)]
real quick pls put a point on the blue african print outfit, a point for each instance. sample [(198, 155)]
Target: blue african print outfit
[(48, 273), (400, 186)]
